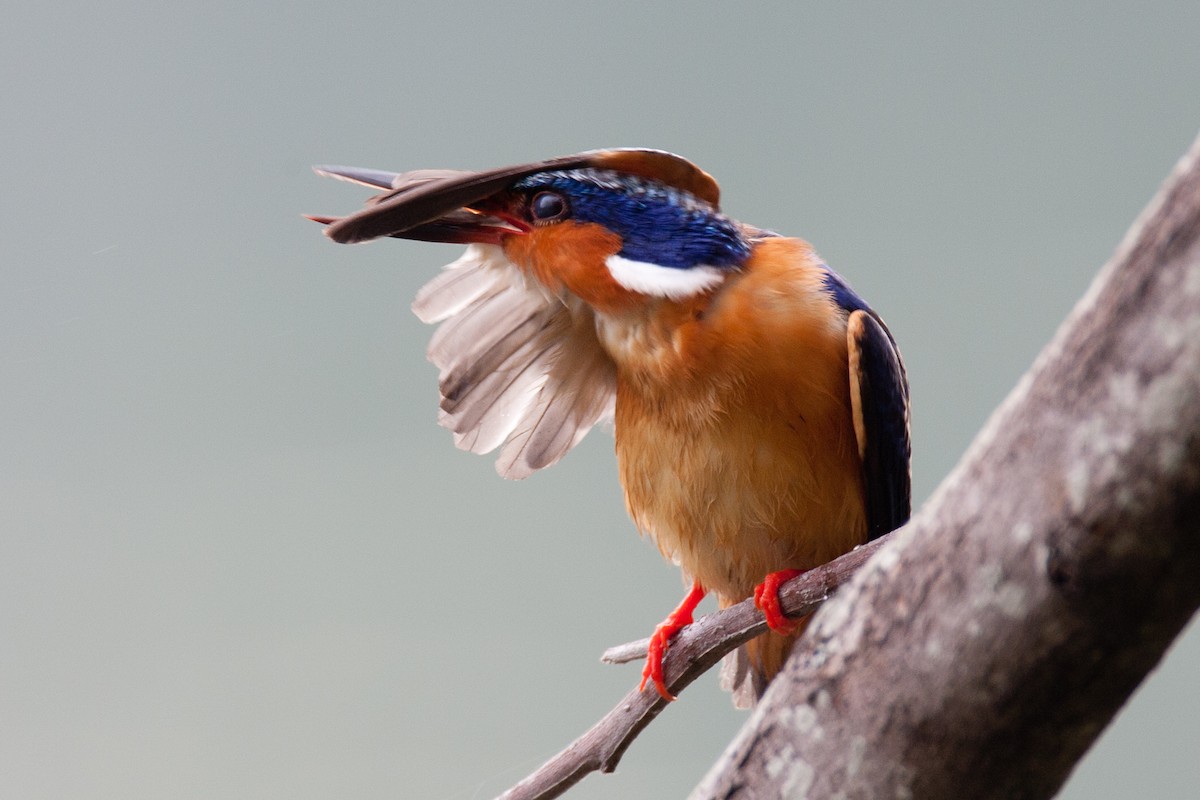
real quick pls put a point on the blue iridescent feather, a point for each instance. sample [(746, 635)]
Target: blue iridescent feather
[(843, 295), (657, 224)]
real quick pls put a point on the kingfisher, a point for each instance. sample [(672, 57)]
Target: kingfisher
[(759, 406)]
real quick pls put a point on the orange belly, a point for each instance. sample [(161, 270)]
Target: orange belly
[(733, 495), (734, 433)]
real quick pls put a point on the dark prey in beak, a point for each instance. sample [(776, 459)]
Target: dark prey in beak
[(430, 205), (442, 205)]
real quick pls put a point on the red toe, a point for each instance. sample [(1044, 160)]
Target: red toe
[(766, 598), (675, 621), (653, 671)]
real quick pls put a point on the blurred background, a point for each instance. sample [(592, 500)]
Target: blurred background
[(238, 556)]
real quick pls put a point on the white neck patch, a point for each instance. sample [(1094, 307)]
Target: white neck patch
[(660, 281)]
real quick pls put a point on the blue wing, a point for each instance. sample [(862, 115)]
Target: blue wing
[(879, 399)]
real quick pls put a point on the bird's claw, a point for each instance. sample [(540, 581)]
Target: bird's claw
[(653, 670), (661, 638), (766, 599)]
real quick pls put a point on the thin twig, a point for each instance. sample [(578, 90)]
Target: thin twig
[(695, 650)]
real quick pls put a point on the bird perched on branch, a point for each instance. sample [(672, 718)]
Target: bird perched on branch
[(760, 406)]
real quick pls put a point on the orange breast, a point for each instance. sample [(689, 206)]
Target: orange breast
[(571, 256), (733, 425)]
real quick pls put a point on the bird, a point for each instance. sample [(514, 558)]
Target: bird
[(759, 406)]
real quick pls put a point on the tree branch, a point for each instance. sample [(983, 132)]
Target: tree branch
[(695, 650), (991, 640), (983, 651)]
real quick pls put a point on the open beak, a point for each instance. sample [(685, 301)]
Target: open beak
[(457, 227), (445, 205), (434, 205)]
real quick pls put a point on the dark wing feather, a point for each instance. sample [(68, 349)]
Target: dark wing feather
[(879, 396)]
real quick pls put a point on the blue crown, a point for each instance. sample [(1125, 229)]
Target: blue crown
[(658, 224)]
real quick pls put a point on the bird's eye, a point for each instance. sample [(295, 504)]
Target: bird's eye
[(547, 207)]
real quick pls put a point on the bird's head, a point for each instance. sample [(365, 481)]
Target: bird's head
[(615, 228)]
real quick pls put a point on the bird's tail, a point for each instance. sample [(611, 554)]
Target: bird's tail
[(746, 671)]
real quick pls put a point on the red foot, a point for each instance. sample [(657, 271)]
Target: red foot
[(676, 620), (766, 598)]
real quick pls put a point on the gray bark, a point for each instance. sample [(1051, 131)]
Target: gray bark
[(982, 651)]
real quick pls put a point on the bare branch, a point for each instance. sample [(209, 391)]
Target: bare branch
[(624, 653), (692, 652), (799, 597)]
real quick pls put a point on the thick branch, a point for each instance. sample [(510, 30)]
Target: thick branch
[(982, 652), (693, 652)]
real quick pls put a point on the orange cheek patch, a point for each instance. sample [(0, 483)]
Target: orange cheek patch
[(571, 255)]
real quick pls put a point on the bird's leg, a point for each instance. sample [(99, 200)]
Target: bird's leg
[(766, 599), (676, 620)]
